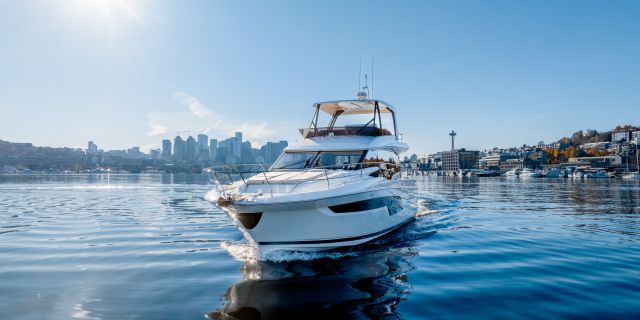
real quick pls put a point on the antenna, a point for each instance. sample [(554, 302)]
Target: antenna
[(371, 77), (360, 75), (366, 87)]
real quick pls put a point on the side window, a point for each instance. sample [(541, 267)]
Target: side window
[(386, 160)]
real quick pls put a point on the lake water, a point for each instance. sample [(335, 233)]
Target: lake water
[(150, 246)]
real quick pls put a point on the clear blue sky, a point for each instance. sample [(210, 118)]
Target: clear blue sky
[(500, 73)]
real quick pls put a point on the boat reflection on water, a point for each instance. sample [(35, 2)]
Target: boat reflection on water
[(368, 281)]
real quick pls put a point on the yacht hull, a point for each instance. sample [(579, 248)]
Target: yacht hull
[(323, 223)]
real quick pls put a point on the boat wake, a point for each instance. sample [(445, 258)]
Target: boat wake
[(247, 252)]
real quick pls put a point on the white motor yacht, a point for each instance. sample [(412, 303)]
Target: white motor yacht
[(578, 174), (598, 174), (631, 176), (553, 173), (340, 186), (530, 173), (515, 172)]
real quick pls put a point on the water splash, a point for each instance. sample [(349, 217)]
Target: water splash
[(247, 252)]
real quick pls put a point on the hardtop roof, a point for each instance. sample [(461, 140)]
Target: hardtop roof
[(349, 107)]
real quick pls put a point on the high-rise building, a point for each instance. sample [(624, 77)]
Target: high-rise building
[(236, 145), (191, 149), (203, 140), (272, 150), (213, 149), (179, 149), (224, 150), (202, 152), (92, 148), (166, 149)]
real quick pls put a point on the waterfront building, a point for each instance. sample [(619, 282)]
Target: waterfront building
[(213, 149), (191, 147), (509, 164), (597, 162), (166, 149), (490, 161), (459, 159), (179, 149)]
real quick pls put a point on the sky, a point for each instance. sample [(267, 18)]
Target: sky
[(131, 73)]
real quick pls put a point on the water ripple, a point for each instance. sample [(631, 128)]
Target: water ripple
[(139, 246)]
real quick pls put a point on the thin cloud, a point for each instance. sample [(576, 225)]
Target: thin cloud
[(197, 109), (197, 118), (156, 129)]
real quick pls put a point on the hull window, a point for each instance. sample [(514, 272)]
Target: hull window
[(394, 204), (249, 220)]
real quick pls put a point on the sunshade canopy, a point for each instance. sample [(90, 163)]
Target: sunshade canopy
[(354, 107)]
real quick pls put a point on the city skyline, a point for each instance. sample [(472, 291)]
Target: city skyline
[(125, 73)]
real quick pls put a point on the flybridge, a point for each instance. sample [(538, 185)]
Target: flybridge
[(341, 108)]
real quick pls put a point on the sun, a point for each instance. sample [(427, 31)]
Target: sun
[(112, 13)]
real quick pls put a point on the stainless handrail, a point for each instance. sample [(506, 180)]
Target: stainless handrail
[(230, 169)]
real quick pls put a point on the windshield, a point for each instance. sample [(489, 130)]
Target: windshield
[(305, 160)]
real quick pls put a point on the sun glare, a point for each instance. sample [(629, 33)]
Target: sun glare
[(112, 13)]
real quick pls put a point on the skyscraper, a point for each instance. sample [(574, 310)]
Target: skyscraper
[(236, 145), (272, 150), (203, 140), (178, 149), (213, 149), (166, 149), (92, 148), (202, 152), (191, 149)]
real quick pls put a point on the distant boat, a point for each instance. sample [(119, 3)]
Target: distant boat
[(515, 172), (578, 174), (598, 174), (530, 173), (488, 173), (632, 175), (553, 173)]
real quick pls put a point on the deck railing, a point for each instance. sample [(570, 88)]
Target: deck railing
[(344, 131), (228, 174)]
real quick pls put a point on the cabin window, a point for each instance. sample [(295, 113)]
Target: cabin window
[(343, 160), (329, 160), (294, 160), (386, 160), (393, 204)]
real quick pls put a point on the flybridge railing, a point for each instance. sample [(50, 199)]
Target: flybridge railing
[(228, 174), (344, 131)]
